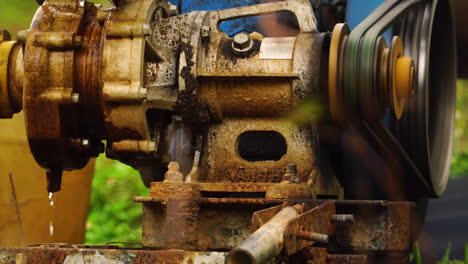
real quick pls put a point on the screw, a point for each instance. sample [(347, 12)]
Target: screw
[(311, 236), (173, 174), (242, 42)]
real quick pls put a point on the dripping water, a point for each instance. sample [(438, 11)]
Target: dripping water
[(51, 222)]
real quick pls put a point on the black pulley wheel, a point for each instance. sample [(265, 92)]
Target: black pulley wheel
[(427, 125)]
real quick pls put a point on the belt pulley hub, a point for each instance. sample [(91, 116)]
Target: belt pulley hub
[(392, 76)]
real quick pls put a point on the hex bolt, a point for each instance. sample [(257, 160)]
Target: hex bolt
[(242, 42), (173, 174), (311, 236), (75, 98), (343, 219)]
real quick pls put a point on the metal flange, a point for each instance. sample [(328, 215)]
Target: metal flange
[(11, 73)]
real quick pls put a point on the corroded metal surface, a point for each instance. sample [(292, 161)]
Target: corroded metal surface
[(79, 255), (379, 226)]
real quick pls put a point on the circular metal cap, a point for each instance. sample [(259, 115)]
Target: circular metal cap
[(242, 42)]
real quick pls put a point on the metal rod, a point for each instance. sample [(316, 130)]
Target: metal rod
[(343, 218), (265, 243), (311, 236)]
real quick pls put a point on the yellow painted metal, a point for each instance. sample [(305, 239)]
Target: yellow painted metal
[(70, 205), (338, 42), (6, 48)]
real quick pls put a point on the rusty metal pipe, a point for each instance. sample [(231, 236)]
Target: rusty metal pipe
[(265, 243)]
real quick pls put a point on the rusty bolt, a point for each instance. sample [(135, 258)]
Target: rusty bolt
[(173, 174), (75, 98), (173, 11), (205, 32), (311, 236), (344, 218), (242, 42)]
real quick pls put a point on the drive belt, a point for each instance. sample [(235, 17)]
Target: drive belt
[(359, 86)]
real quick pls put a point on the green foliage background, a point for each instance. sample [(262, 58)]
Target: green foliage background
[(113, 217)]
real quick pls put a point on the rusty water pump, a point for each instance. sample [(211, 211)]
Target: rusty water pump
[(204, 117)]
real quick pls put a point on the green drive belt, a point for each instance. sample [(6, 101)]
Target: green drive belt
[(360, 53)]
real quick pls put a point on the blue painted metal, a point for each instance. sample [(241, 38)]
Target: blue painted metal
[(357, 10), (248, 24)]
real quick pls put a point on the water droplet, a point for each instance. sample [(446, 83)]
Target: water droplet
[(51, 228), (51, 199), (51, 223)]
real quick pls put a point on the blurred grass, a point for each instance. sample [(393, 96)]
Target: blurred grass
[(415, 256), (113, 216)]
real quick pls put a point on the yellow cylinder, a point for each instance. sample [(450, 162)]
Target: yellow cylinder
[(27, 217)]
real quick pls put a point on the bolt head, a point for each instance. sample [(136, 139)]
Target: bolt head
[(242, 41)]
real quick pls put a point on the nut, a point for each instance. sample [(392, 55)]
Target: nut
[(173, 174)]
